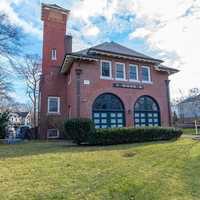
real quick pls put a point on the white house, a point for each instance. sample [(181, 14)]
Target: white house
[(189, 109)]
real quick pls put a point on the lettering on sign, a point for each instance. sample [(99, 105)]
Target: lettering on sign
[(129, 85)]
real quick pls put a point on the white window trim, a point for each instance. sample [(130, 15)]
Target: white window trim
[(110, 70), (124, 71), (69, 78), (149, 73), (53, 56), (58, 98), (53, 137), (137, 73)]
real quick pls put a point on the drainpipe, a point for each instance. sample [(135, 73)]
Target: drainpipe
[(168, 101), (78, 91)]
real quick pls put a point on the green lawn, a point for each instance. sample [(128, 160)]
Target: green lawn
[(52, 170), (190, 131)]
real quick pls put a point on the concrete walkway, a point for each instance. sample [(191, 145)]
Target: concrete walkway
[(194, 137)]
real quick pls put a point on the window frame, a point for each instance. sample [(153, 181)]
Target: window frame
[(110, 70), (149, 74), (53, 54), (58, 108), (137, 73), (53, 137), (124, 71), (69, 78)]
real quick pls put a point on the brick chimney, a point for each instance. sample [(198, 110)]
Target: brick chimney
[(54, 33)]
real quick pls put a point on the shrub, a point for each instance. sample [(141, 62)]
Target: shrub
[(130, 135), (79, 130), (4, 117)]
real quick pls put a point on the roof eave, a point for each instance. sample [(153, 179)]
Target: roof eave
[(51, 6), (69, 59), (169, 70)]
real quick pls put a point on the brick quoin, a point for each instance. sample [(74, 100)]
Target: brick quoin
[(64, 85)]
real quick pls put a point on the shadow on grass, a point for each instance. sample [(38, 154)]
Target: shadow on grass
[(48, 147)]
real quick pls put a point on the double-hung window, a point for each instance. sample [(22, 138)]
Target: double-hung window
[(53, 54), (145, 72), (106, 69), (133, 72), (120, 71), (54, 105)]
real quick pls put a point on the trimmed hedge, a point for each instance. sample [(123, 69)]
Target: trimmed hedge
[(78, 130), (130, 135), (83, 131)]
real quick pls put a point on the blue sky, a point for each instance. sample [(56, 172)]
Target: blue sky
[(168, 30)]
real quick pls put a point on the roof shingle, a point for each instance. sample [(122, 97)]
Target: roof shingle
[(115, 48)]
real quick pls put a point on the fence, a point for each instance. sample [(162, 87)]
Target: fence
[(197, 124)]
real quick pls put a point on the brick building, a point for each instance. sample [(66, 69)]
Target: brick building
[(109, 83)]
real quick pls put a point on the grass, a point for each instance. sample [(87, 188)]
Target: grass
[(190, 131), (148, 171)]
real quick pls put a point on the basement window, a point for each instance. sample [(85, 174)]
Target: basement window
[(53, 54), (52, 133)]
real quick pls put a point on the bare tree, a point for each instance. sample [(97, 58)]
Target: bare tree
[(177, 105), (10, 37), (5, 89), (5, 85), (10, 45), (29, 70)]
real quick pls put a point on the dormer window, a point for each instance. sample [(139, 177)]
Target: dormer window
[(53, 54)]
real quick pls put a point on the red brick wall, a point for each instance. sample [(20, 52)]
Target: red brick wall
[(91, 72), (52, 82)]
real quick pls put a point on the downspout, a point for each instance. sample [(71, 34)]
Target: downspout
[(168, 101), (78, 91)]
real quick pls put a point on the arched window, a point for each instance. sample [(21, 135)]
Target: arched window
[(108, 111), (146, 112)]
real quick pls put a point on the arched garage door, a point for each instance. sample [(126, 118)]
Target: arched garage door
[(108, 111), (146, 112)]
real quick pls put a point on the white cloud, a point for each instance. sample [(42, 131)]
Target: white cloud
[(89, 8), (172, 27), (92, 31), (28, 27), (140, 33)]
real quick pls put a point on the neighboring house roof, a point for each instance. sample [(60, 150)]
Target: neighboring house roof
[(23, 114), (191, 99), (20, 114), (111, 49)]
